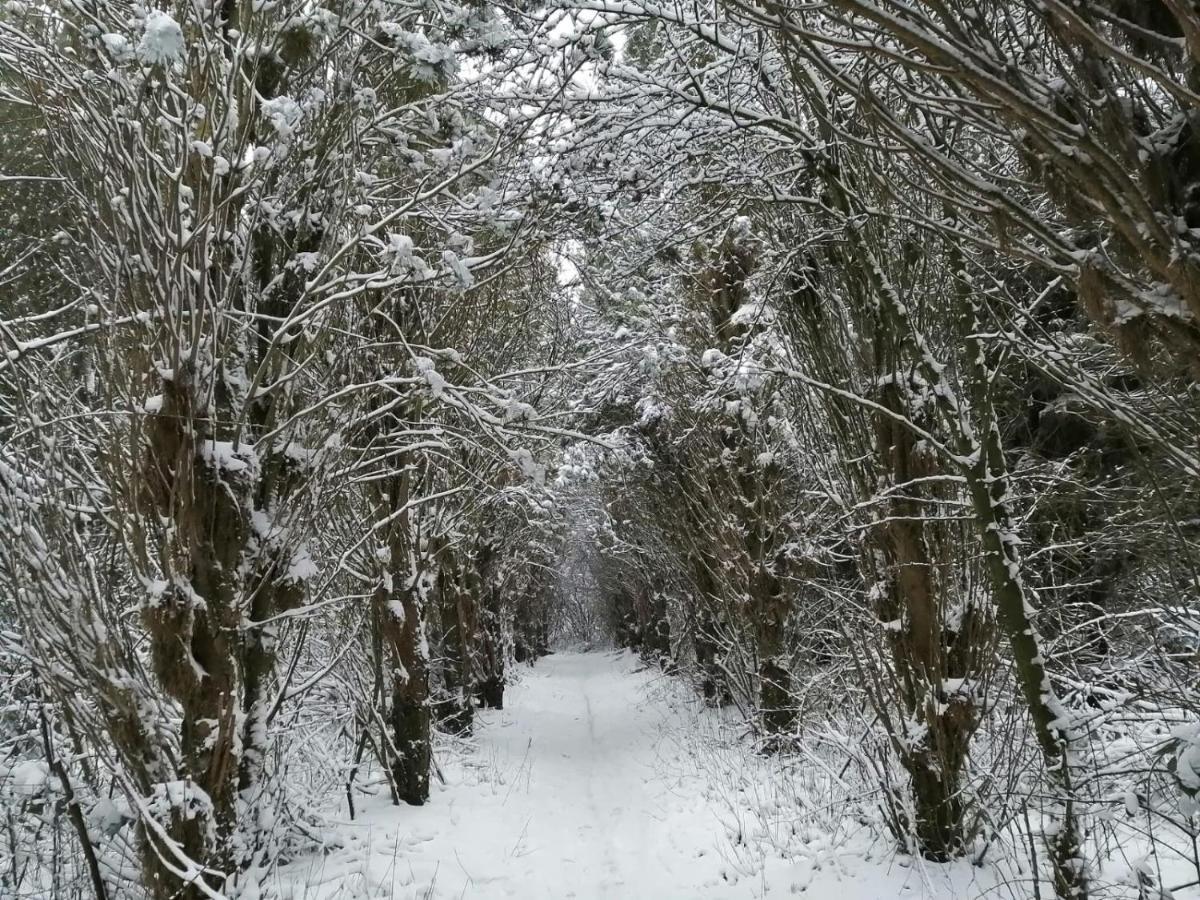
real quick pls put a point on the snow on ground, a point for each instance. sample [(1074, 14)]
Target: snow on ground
[(589, 785)]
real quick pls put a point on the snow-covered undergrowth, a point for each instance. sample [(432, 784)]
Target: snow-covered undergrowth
[(811, 821), (806, 822)]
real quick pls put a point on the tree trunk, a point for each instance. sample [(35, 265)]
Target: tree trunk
[(400, 617), (491, 692), (410, 723), (776, 705), (456, 593), (913, 569), (194, 628), (989, 485), (490, 637)]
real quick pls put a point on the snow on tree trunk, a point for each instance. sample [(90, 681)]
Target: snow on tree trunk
[(400, 602), (938, 641)]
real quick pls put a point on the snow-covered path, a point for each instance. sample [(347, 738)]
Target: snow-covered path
[(581, 808), (567, 796), (585, 786)]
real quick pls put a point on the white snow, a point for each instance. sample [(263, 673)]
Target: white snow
[(222, 456), (302, 567), (284, 114), (117, 46), (531, 469), (27, 778), (460, 269), (162, 40), (587, 786), (426, 366)]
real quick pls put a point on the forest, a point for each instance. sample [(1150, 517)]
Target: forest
[(666, 449)]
